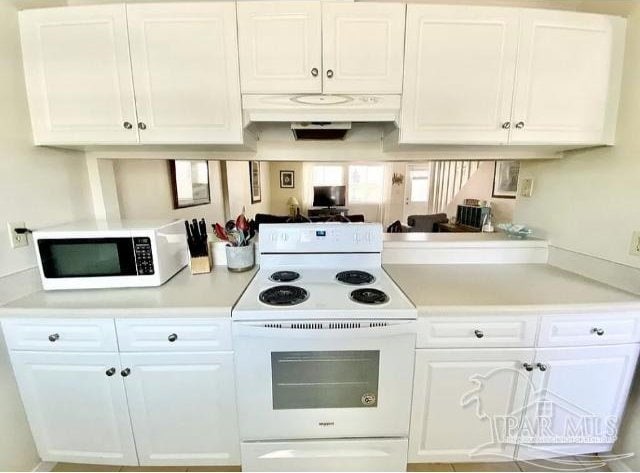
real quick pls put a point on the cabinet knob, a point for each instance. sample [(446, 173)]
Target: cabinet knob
[(329, 73), (314, 72), (54, 337), (127, 125), (125, 372), (172, 338), (479, 333), (142, 125), (542, 367), (506, 125), (598, 331), (520, 125), (110, 372), (527, 366)]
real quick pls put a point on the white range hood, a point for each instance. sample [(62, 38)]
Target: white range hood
[(321, 108)]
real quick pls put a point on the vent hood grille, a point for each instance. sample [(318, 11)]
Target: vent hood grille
[(320, 130)]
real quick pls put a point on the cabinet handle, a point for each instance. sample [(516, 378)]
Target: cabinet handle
[(54, 337), (125, 372), (479, 333), (329, 73), (314, 72), (598, 331), (110, 372), (172, 338), (527, 366), (520, 125), (506, 125), (542, 367), (142, 125), (127, 125)]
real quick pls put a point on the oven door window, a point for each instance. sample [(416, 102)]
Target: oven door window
[(325, 379), (87, 257)]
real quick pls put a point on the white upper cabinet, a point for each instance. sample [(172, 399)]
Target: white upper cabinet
[(459, 74), (363, 47), (280, 47), (490, 75), (564, 77), (185, 69), (78, 75)]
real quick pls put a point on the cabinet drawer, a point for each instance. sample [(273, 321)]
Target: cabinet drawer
[(174, 334), (480, 331), (61, 334), (578, 330)]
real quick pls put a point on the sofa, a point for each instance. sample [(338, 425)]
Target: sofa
[(418, 224)]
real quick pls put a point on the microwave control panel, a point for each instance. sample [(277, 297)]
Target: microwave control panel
[(144, 256)]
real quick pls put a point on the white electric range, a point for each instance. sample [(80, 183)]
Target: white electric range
[(324, 343)]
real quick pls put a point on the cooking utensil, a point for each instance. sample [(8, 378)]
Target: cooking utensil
[(220, 232)]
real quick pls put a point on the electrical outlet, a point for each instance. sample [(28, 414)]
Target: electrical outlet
[(635, 244), (17, 240)]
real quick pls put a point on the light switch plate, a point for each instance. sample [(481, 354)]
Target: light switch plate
[(17, 240), (526, 187), (635, 244)]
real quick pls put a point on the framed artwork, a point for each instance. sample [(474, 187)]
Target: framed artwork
[(505, 179), (189, 183), (254, 181), (287, 180)]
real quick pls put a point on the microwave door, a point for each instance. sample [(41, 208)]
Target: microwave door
[(87, 257)]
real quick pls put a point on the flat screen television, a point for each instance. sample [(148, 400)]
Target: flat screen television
[(329, 196)]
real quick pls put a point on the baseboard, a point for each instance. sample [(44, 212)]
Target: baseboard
[(618, 275), (45, 466)]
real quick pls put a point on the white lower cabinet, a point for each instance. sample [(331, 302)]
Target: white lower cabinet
[(183, 408), (576, 400), (76, 406), (456, 395)]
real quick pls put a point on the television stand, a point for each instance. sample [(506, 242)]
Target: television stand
[(327, 211)]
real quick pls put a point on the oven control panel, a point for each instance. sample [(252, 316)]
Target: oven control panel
[(321, 238)]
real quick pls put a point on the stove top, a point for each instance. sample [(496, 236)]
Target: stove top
[(323, 293)]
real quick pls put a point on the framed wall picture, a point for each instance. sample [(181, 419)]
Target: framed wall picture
[(254, 181), (287, 180), (189, 183), (505, 179)]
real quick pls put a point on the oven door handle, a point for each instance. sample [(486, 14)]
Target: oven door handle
[(328, 332)]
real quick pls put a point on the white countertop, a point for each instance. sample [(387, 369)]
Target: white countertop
[(211, 295), (472, 239), (508, 288)]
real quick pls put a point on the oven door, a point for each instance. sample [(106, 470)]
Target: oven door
[(324, 379)]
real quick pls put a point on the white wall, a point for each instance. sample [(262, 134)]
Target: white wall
[(280, 196), (144, 191), (40, 186), (239, 191), (480, 186)]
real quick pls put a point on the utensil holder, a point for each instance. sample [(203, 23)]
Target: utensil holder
[(200, 265), (240, 258)]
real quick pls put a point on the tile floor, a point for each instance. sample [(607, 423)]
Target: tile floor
[(569, 464)]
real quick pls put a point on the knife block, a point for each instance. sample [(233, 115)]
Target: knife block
[(200, 265)]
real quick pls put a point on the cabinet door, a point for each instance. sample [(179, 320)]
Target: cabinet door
[(362, 47), (459, 74), (459, 398), (78, 75), (185, 68), (76, 406), (563, 74), (280, 47), (576, 404), (183, 408)]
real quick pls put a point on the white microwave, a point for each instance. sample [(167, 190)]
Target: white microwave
[(108, 254)]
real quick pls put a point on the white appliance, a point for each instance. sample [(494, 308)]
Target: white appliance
[(106, 254), (324, 344)]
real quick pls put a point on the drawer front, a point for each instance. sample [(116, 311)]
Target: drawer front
[(61, 334), (174, 334), (477, 332), (579, 330)]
